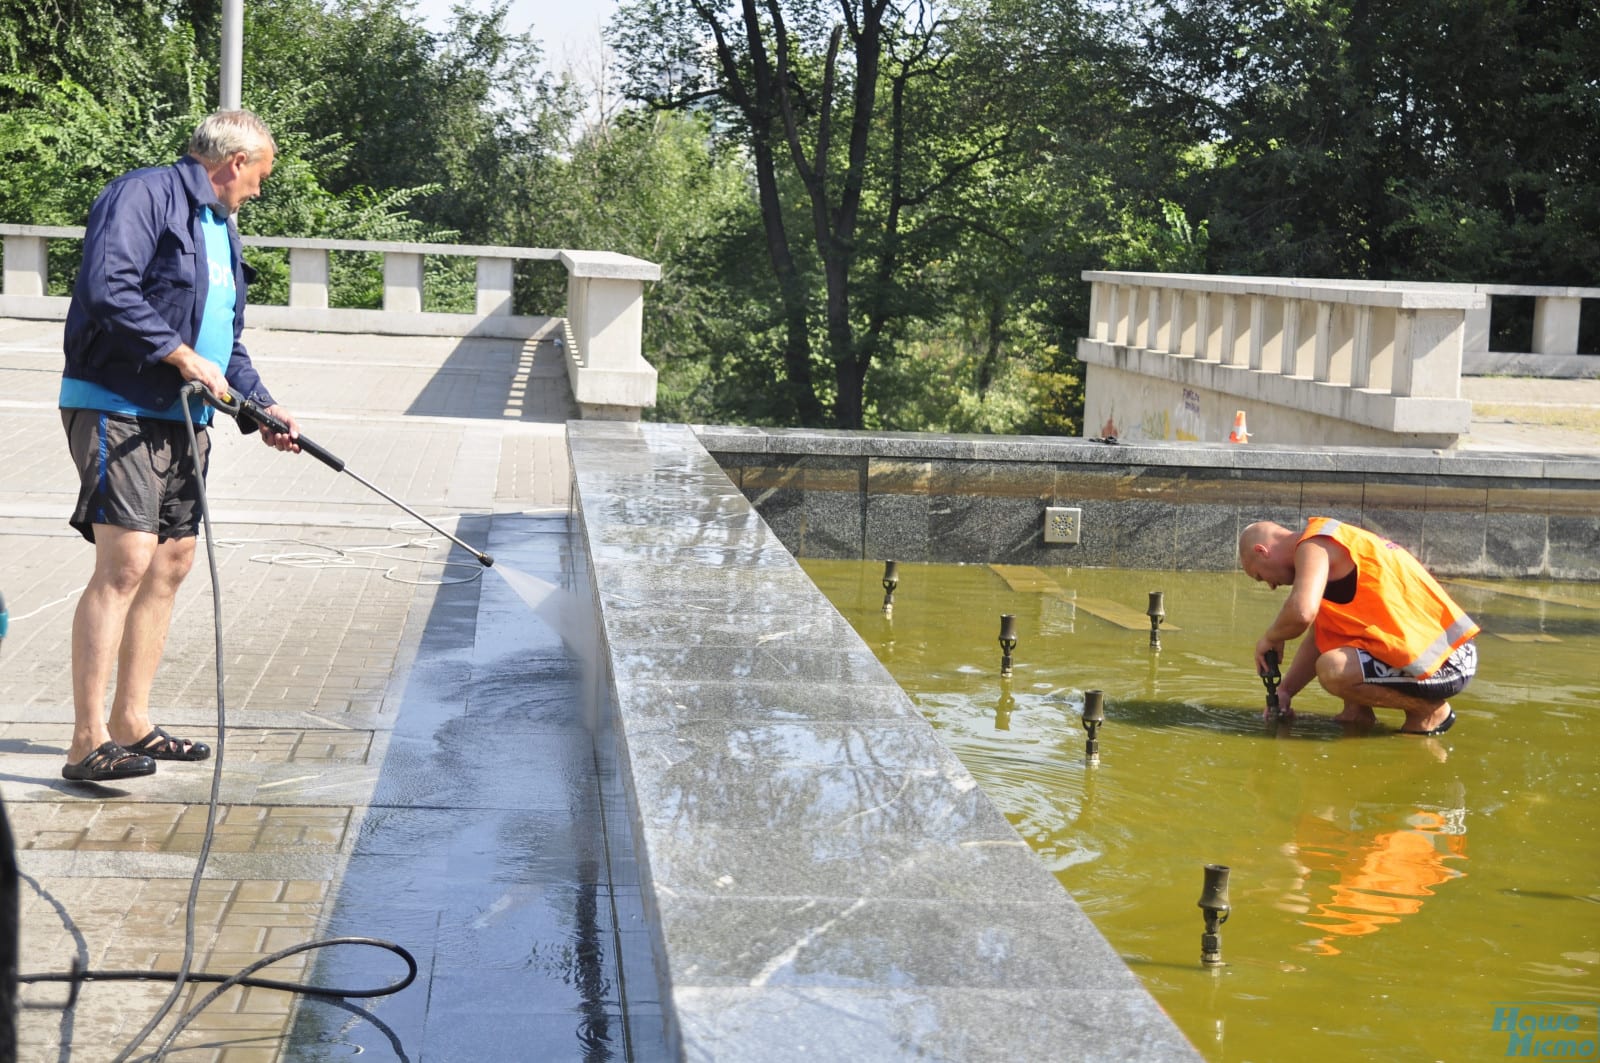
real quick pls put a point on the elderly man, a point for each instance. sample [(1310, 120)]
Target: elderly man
[(1384, 633), (159, 301)]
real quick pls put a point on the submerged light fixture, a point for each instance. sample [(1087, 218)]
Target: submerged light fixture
[(891, 580), (1214, 903), (1008, 641), (1094, 714), (1156, 612)]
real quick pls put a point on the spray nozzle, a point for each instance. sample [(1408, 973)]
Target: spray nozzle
[(1271, 678), (250, 413)]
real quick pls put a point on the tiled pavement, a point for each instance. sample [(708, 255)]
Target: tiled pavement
[(407, 753)]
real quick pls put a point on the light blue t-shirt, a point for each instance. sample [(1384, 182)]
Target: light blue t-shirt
[(214, 343)]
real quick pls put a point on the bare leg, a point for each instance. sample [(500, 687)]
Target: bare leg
[(121, 559), (144, 637), (1339, 671)]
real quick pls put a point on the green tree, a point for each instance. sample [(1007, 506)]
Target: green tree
[(1441, 139), (799, 84), (463, 116), (654, 185)]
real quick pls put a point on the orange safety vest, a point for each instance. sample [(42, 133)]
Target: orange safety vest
[(1400, 615)]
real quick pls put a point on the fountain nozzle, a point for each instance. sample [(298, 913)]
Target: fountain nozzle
[(1008, 641), (1214, 903), (1094, 714), (891, 580), (1156, 612), (1271, 678)]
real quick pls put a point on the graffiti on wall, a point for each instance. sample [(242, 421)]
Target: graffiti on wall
[(1186, 420)]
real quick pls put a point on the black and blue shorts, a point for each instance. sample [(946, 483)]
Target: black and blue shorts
[(1444, 684), (136, 473)]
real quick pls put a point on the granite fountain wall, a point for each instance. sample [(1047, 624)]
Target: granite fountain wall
[(1157, 505), (822, 878)]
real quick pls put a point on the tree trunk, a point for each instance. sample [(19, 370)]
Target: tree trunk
[(991, 347), (792, 290)]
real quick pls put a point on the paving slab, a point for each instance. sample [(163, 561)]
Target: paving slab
[(407, 752)]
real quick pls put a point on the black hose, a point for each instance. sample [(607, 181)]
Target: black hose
[(10, 909), (184, 975)]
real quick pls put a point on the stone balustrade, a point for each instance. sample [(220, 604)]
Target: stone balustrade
[(602, 330), (1177, 356)]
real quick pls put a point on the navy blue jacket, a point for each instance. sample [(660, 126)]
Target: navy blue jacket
[(142, 287)]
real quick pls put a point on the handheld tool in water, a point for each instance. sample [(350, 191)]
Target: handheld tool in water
[(243, 410), (1272, 677)]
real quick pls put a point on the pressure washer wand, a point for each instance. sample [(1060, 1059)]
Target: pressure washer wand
[(1272, 677), (238, 408)]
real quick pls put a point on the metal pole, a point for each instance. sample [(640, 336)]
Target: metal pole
[(230, 83)]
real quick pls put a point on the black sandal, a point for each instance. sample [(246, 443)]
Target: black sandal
[(110, 761), (158, 745), (1449, 722)]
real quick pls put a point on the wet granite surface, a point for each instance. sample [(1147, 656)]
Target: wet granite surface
[(822, 878), (494, 845)]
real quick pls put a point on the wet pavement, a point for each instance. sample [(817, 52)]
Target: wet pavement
[(410, 750)]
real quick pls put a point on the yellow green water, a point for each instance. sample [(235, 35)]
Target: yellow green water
[(1389, 892)]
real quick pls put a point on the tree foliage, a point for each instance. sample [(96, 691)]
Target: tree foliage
[(869, 213), (1423, 139)]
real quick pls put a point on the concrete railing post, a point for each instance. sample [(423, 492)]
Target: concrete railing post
[(605, 334), (402, 283), (1231, 328), (1475, 339), (308, 278), (1258, 329), (27, 265), (1289, 339), (494, 285), (1555, 324), (1429, 363), (1202, 327), (1361, 348)]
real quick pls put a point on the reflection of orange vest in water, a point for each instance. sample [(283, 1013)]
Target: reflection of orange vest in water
[(1400, 615), (1379, 881)]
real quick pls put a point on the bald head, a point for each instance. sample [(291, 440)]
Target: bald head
[(1266, 553), (1262, 533)]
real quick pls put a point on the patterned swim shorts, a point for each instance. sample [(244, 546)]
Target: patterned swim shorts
[(1452, 676)]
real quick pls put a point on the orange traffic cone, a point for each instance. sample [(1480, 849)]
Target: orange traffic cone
[(1239, 434)]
